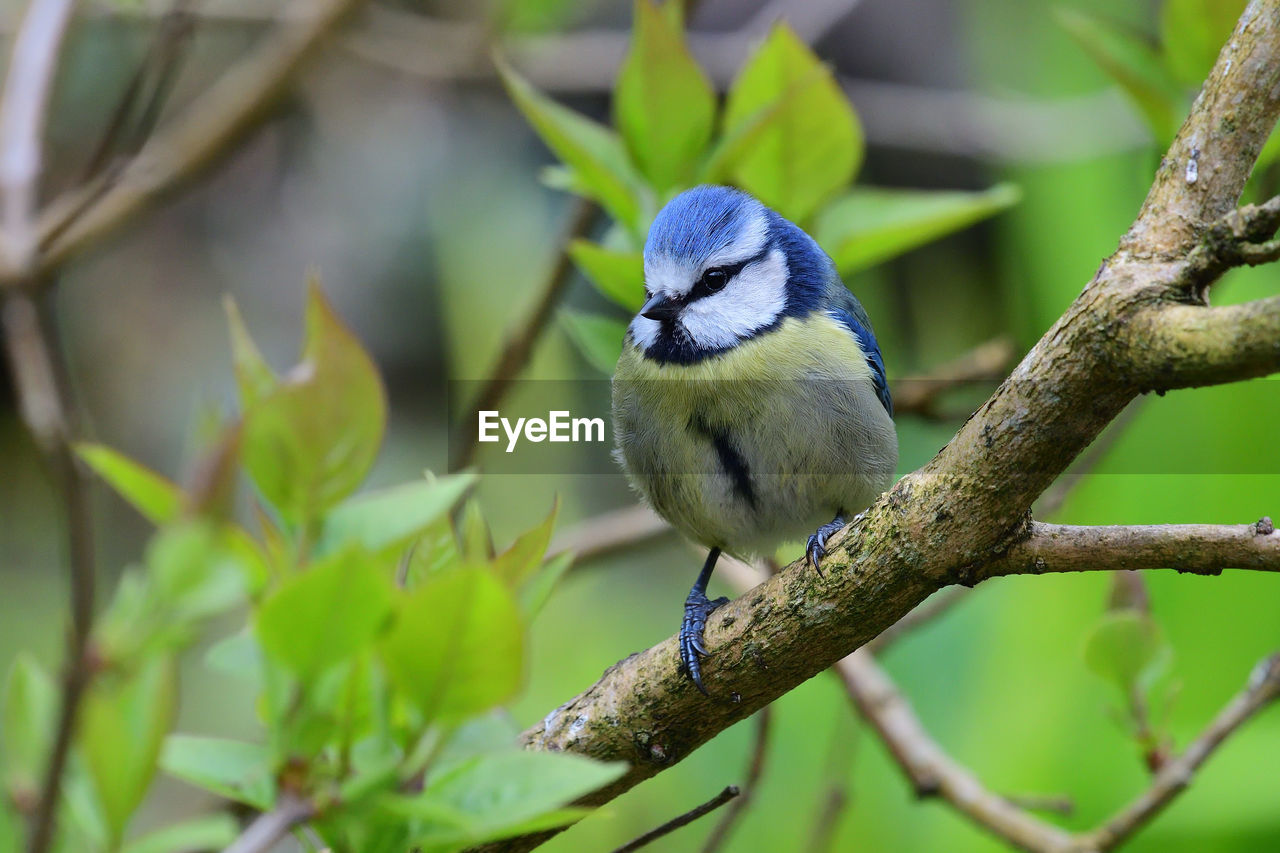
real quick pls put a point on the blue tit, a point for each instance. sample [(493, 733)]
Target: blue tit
[(749, 403)]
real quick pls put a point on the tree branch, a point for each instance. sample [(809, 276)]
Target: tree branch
[(685, 819), (270, 827), (930, 770), (33, 362), (759, 751), (519, 345), (1262, 688), (27, 88), (968, 508), (919, 394), (192, 141), (1200, 549), (1187, 346)]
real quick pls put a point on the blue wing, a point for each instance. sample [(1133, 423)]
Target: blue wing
[(854, 317)]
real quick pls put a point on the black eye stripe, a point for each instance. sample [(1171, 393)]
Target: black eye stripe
[(702, 288)]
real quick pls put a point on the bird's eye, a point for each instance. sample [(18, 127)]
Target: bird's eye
[(715, 279)]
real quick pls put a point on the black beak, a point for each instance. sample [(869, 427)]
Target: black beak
[(660, 308)]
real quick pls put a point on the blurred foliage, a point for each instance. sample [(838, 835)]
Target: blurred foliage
[(1161, 79), (378, 642)]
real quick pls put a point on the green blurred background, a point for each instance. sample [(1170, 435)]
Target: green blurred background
[(415, 195)]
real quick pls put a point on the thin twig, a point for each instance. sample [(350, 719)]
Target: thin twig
[(1056, 495), (759, 751), (27, 88), (193, 140), (519, 345), (268, 828), (919, 394), (824, 829), (609, 532), (683, 820), (46, 412), (931, 609), (33, 361), (157, 72), (1261, 690)]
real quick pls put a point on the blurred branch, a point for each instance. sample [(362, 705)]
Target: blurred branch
[(824, 829), (27, 87), (759, 751), (32, 360), (193, 140), (609, 532), (919, 394), (926, 612), (1261, 690), (964, 123), (520, 343), (683, 820), (269, 828), (929, 769), (46, 411)]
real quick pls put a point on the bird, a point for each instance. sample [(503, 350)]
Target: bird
[(750, 404)]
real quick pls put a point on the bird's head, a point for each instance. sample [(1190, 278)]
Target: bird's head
[(719, 268)]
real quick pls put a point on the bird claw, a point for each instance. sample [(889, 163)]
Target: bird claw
[(817, 547), (697, 607)]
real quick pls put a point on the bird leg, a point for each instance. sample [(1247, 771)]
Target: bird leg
[(817, 548), (697, 607)]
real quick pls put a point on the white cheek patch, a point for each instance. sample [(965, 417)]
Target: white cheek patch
[(645, 331), (752, 300)]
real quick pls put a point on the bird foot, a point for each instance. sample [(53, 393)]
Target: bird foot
[(697, 607), (817, 548)]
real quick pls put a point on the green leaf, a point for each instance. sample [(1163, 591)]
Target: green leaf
[(663, 103), (254, 376), (310, 443), (593, 152), (435, 550), (474, 536), (325, 614), (123, 727), (196, 573), (238, 655), (598, 338), (538, 589), (390, 517), (514, 565), (191, 574), (211, 832), (867, 226), (1193, 32), (1127, 648), (158, 499), (231, 769), (618, 275), (813, 147), (26, 729), (1134, 65), (741, 139), (502, 792), (457, 645)]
